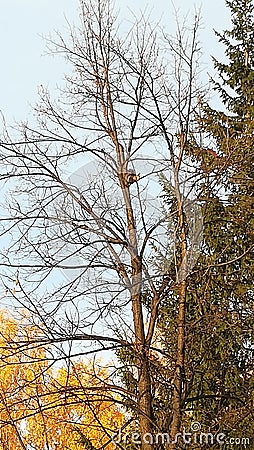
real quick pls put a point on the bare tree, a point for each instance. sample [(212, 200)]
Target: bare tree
[(92, 247)]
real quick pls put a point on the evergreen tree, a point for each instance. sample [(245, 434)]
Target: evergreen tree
[(219, 342)]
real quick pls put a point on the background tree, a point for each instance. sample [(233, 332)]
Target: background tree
[(219, 321), (45, 407), (130, 104)]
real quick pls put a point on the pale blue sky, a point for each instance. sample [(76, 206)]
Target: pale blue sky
[(22, 22)]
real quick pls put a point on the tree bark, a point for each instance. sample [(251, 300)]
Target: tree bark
[(144, 401), (179, 379), (144, 380)]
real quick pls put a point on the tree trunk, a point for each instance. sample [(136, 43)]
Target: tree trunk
[(144, 381), (179, 379), (144, 403)]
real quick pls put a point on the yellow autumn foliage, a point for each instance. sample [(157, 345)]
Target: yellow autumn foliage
[(46, 407)]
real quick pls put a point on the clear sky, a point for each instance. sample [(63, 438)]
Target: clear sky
[(22, 22)]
